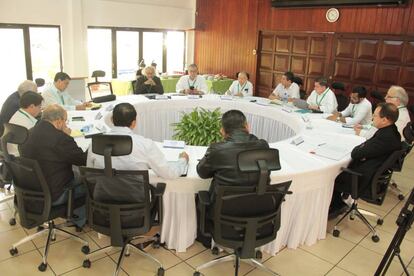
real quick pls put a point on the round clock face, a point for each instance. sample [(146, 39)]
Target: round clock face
[(332, 15)]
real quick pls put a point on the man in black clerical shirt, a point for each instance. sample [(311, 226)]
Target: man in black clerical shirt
[(149, 83), (368, 156)]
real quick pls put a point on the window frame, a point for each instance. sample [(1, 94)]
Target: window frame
[(26, 43), (140, 44)]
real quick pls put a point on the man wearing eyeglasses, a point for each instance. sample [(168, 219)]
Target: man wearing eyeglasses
[(192, 83), (397, 96)]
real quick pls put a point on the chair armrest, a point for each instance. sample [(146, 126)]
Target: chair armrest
[(204, 198), (159, 189), (354, 182)]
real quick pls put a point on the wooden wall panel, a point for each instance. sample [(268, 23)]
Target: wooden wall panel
[(227, 33)]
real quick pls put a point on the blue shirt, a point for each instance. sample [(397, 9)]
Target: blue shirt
[(52, 95)]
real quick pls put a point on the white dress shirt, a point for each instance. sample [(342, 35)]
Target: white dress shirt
[(284, 93), (326, 101), (185, 82), (360, 113), (24, 119), (52, 95), (145, 155), (246, 89)]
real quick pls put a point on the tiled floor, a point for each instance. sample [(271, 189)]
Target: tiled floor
[(353, 253)]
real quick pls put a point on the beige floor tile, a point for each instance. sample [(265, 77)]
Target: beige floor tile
[(403, 180), (40, 241), (136, 264), (3, 205), (295, 262), (407, 247), (70, 251), (102, 267), (336, 271), (181, 269), (102, 241), (219, 269), (362, 261), (24, 265), (193, 250), (324, 249), (10, 237), (5, 215)]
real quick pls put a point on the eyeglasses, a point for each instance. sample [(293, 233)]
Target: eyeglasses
[(391, 97)]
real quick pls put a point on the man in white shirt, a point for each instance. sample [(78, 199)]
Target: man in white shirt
[(398, 97), (286, 90), (30, 108), (322, 98), (145, 154), (192, 83), (241, 87), (359, 111), (55, 94)]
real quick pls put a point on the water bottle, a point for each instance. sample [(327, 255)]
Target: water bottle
[(87, 128)]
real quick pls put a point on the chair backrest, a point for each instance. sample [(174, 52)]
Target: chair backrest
[(246, 217), (119, 201), (13, 134), (32, 193), (382, 177)]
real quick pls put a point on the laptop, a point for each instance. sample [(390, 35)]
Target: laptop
[(302, 104)]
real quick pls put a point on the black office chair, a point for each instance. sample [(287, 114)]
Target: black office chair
[(376, 98), (127, 212), (40, 82), (33, 200), (245, 229), (299, 82), (100, 91), (379, 186), (408, 133), (343, 100)]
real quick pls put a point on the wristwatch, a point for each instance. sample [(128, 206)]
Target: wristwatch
[(338, 119)]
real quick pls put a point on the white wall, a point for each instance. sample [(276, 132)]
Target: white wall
[(74, 16)]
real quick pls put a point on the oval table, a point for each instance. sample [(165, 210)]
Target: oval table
[(304, 213)]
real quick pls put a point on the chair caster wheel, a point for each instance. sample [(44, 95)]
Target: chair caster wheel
[(13, 251), (259, 255), (155, 244), (12, 221), (336, 233), (53, 239), (160, 271), (42, 267), (85, 249), (380, 221), (40, 228), (127, 254), (196, 273), (375, 238), (215, 250), (401, 197), (86, 264), (78, 229)]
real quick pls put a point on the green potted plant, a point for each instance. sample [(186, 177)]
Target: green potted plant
[(201, 127)]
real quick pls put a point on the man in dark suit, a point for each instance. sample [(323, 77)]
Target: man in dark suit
[(149, 83), (220, 160), (50, 143), (368, 156)]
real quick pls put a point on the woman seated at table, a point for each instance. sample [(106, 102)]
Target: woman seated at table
[(241, 87), (148, 83)]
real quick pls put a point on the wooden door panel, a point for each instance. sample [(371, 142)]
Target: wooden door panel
[(407, 77), (298, 65), (367, 49), (316, 66), (409, 52), (388, 74), (282, 44), (267, 42), (392, 51), (300, 45), (281, 63), (345, 48), (364, 72), (265, 79), (343, 69), (318, 46), (266, 61)]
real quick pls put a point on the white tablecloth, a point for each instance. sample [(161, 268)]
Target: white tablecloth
[(304, 213)]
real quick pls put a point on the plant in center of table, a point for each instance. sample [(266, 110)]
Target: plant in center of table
[(200, 127)]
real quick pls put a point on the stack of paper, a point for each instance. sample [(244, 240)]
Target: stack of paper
[(334, 152), (174, 144)]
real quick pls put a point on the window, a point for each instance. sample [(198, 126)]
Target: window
[(28, 52), (127, 52), (100, 51), (118, 51)]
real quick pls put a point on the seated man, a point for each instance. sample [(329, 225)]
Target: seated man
[(241, 87), (149, 83), (192, 83), (11, 105), (220, 160), (397, 96), (50, 143), (55, 93), (368, 156), (30, 108), (145, 154), (322, 98), (358, 111), (286, 90)]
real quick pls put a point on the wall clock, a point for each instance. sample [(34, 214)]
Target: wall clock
[(332, 15)]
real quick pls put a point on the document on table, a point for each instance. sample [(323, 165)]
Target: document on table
[(334, 152), (175, 144)]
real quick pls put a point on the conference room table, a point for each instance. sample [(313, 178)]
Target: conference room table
[(323, 148)]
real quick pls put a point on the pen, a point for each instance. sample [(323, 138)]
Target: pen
[(321, 144)]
